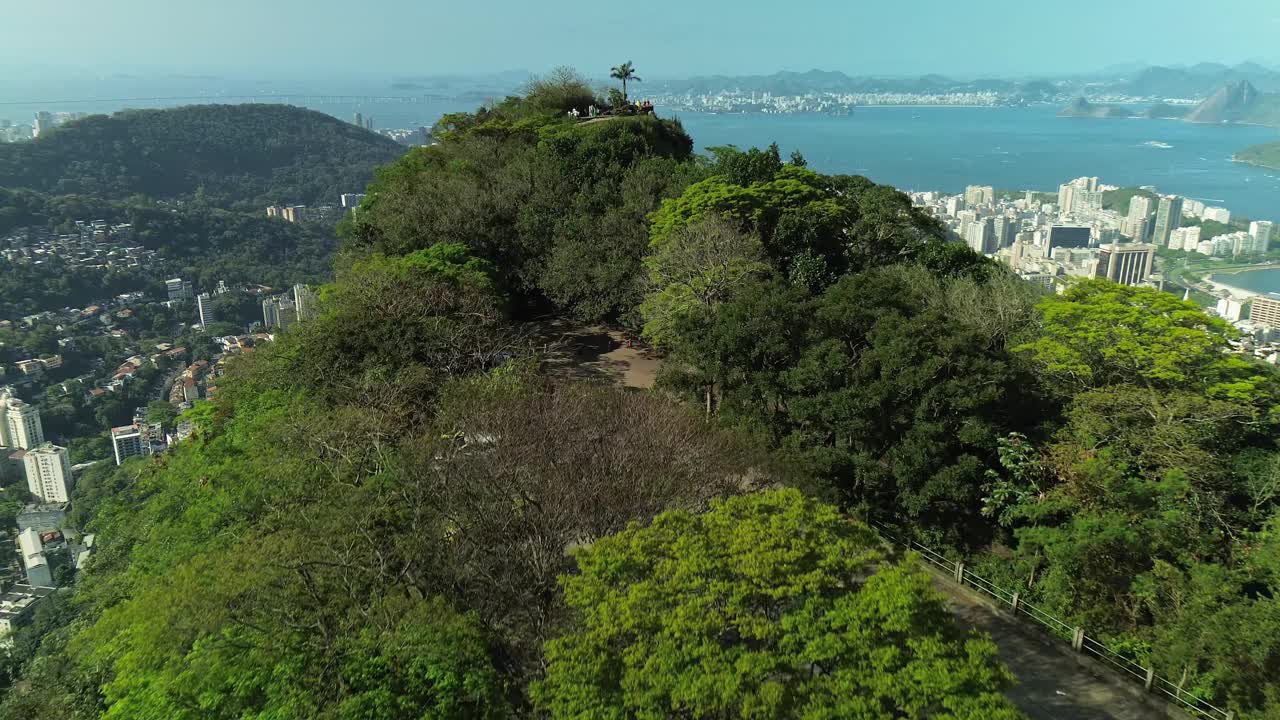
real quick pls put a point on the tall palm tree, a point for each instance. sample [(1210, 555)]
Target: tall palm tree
[(625, 72)]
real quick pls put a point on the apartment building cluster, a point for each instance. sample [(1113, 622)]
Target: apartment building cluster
[(47, 467), (43, 543), (139, 438), (46, 547), (1044, 240), (190, 385), (96, 244), (323, 214), (282, 311), (43, 121), (1078, 236), (1161, 221)]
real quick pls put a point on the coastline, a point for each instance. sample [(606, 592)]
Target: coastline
[(1234, 291), (1251, 163)]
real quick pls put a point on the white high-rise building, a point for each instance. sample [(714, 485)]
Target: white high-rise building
[(304, 302), (1139, 207), (49, 473), (34, 560), (129, 441), (20, 425), (43, 123), (1187, 238), (1231, 309), (1168, 219), (1006, 230), (5, 440), (1217, 214), (279, 311), (203, 309), (1261, 232), (980, 236), (1087, 200), (178, 289), (1066, 198), (978, 195)]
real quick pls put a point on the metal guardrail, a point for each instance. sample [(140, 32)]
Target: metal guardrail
[(1079, 639)]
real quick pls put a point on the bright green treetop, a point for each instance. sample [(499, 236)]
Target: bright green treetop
[(767, 606), (1100, 334), (699, 267)]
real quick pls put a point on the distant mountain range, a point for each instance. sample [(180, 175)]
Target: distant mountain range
[(1187, 83), (1198, 81), (1236, 102)]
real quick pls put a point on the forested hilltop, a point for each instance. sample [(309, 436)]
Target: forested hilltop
[(393, 512), (247, 155), (1266, 155)]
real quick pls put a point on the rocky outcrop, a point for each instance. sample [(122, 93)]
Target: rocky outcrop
[(1081, 107), (1235, 102)]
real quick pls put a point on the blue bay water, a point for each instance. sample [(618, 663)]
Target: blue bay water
[(917, 148), (1259, 281), (913, 148)]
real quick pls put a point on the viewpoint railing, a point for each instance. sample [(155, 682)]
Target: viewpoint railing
[(1080, 641)]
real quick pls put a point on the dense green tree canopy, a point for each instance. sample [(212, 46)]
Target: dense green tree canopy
[(391, 512), (558, 208), (1099, 333), (768, 606), (249, 155)]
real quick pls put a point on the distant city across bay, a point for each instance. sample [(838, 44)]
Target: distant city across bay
[(930, 148)]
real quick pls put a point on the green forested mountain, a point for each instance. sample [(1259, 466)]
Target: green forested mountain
[(392, 513), (1266, 155), (227, 154)]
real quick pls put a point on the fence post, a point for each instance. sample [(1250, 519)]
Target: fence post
[(1014, 601), (959, 572), (1231, 715), (1151, 678), (1077, 639)]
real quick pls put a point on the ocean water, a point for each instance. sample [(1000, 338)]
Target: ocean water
[(1259, 281), (913, 148), (916, 148)]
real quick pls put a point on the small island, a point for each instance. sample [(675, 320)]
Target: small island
[(1081, 107), (1266, 155)]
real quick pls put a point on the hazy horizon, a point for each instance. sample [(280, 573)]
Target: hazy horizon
[(666, 39)]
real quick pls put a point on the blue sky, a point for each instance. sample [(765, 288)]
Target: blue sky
[(663, 37)]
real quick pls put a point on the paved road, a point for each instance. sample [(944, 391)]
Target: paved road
[(1051, 684)]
